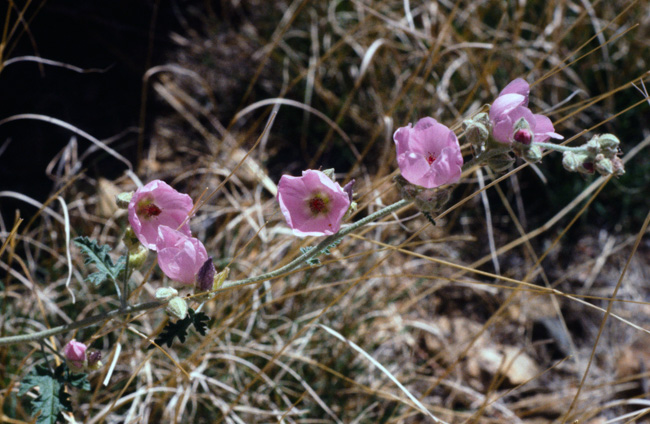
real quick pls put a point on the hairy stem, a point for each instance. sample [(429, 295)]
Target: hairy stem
[(95, 319), (560, 148)]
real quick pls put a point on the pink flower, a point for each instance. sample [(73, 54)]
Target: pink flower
[(75, 354), (428, 154), (179, 256), (313, 204), (512, 105), (154, 205)]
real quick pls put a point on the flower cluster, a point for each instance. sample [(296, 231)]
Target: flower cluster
[(600, 154), (158, 215), (79, 358)]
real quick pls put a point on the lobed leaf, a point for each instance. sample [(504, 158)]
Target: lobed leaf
[(98, 255)]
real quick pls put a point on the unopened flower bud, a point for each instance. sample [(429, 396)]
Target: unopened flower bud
[(609, 141), (166, 293), (123, 199), (94, 360), (130, 239), (138, 256), (205, 276), (75, 355), (476, 132), (532, 154), (500, 163), (177, 307), (603, 165), (571, 161), (523, 136), (348, 189)]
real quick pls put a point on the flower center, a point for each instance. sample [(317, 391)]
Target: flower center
[(431, 158), (318, 204), (148, 210)]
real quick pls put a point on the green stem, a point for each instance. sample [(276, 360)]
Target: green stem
[(228, 284), (95, 319), (561, 148)]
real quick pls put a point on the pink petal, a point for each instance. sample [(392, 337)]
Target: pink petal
[(294, 195), (503, 105), (427, 138), (179, 257), (517, 86), (544, 129), (174, 209)]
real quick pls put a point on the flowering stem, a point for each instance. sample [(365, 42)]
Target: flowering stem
[(95, 319), (320, 247)]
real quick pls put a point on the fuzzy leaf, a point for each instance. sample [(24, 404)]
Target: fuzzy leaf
[(179, 328), (98, 254), (52, 398)]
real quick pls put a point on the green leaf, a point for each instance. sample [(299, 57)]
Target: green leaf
[(200, 321), (98, 254), (179, 328), (78, 380), (52, 398)]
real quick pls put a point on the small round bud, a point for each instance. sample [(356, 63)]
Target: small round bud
[(130, 239), (177, 307), (609, 141), (123, 199), (603, 165), (476, 132), (138, 256), (94, 359), (618, 166), (523, 136), (532, 154), (572, 161), (166, 293)]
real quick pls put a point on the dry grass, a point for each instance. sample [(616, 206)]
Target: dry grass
[(558, 334)]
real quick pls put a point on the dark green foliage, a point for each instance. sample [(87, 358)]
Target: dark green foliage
[(98, 254), (179, 328), (52, 399)]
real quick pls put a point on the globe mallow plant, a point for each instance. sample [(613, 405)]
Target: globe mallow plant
[(313, 205)]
